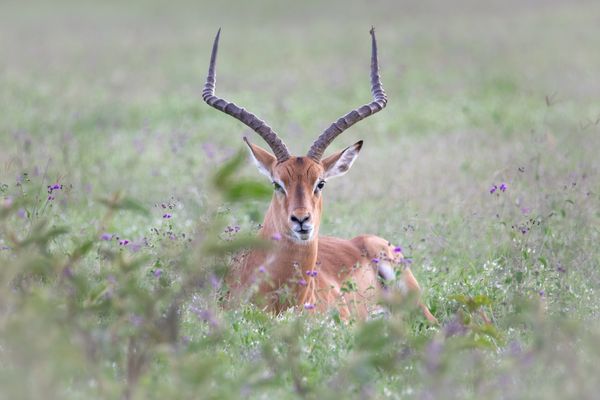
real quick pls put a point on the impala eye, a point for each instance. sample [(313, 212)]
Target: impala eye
[(320, 186), (278, 187)]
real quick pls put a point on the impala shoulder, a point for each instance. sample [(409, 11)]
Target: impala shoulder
[(373, 245), (337, 251)]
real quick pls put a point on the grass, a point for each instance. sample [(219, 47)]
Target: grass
[(105, 99)]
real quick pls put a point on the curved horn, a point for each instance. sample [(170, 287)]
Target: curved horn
[(259, 126), (345, 122)]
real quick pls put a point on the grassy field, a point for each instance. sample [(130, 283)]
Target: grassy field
[(113, 233)]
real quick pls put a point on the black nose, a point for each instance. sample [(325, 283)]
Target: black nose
[(300, 220)]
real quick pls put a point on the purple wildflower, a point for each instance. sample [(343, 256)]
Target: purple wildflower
[(50, 198), (455, 327), (514, 347), (312, 273), (106, 236), (301, 282), (406, 261), (52, 188), (167, 216), (136, 246), (493, 189), (157, 272), (397, 249), (433, 354), (136, 320), (375, 260), (309, 306), (232, 229), (209, 149), (262, 269), (67, 272), (503, 187), (542, 293), (525, 210), (204, 315), (22, 213), (124, 242)]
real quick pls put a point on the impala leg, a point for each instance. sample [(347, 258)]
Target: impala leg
[(411, 285)]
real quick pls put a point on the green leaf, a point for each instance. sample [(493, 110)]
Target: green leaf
[(82, 249), (349, 286), (125, 203), (488, 330), (460, 298), (239, 243), (41, 237), (371, 336), (255, 315), (248, 190), (472, 303), (223, 175), (519, 276), (335, 316), (482, 300)]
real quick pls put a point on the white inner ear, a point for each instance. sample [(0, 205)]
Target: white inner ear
[(343, 164), (261, 167)]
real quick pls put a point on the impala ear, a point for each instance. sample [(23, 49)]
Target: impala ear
[(339, 163), (264, 160)]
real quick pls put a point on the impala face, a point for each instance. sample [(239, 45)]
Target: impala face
[(298, 183)]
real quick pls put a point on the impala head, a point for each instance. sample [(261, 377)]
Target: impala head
[(298, 182)]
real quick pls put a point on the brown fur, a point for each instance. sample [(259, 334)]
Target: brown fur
[(278, 279)]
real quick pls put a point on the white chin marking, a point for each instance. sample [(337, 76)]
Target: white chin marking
[(303, 238)]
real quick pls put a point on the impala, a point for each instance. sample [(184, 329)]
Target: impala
[(303, 269)]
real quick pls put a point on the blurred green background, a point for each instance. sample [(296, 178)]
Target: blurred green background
[(105, 98)]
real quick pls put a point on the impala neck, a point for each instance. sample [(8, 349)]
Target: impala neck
[(290, 256)]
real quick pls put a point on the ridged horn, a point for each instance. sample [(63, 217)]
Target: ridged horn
[(379, 102), (259, 126)]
